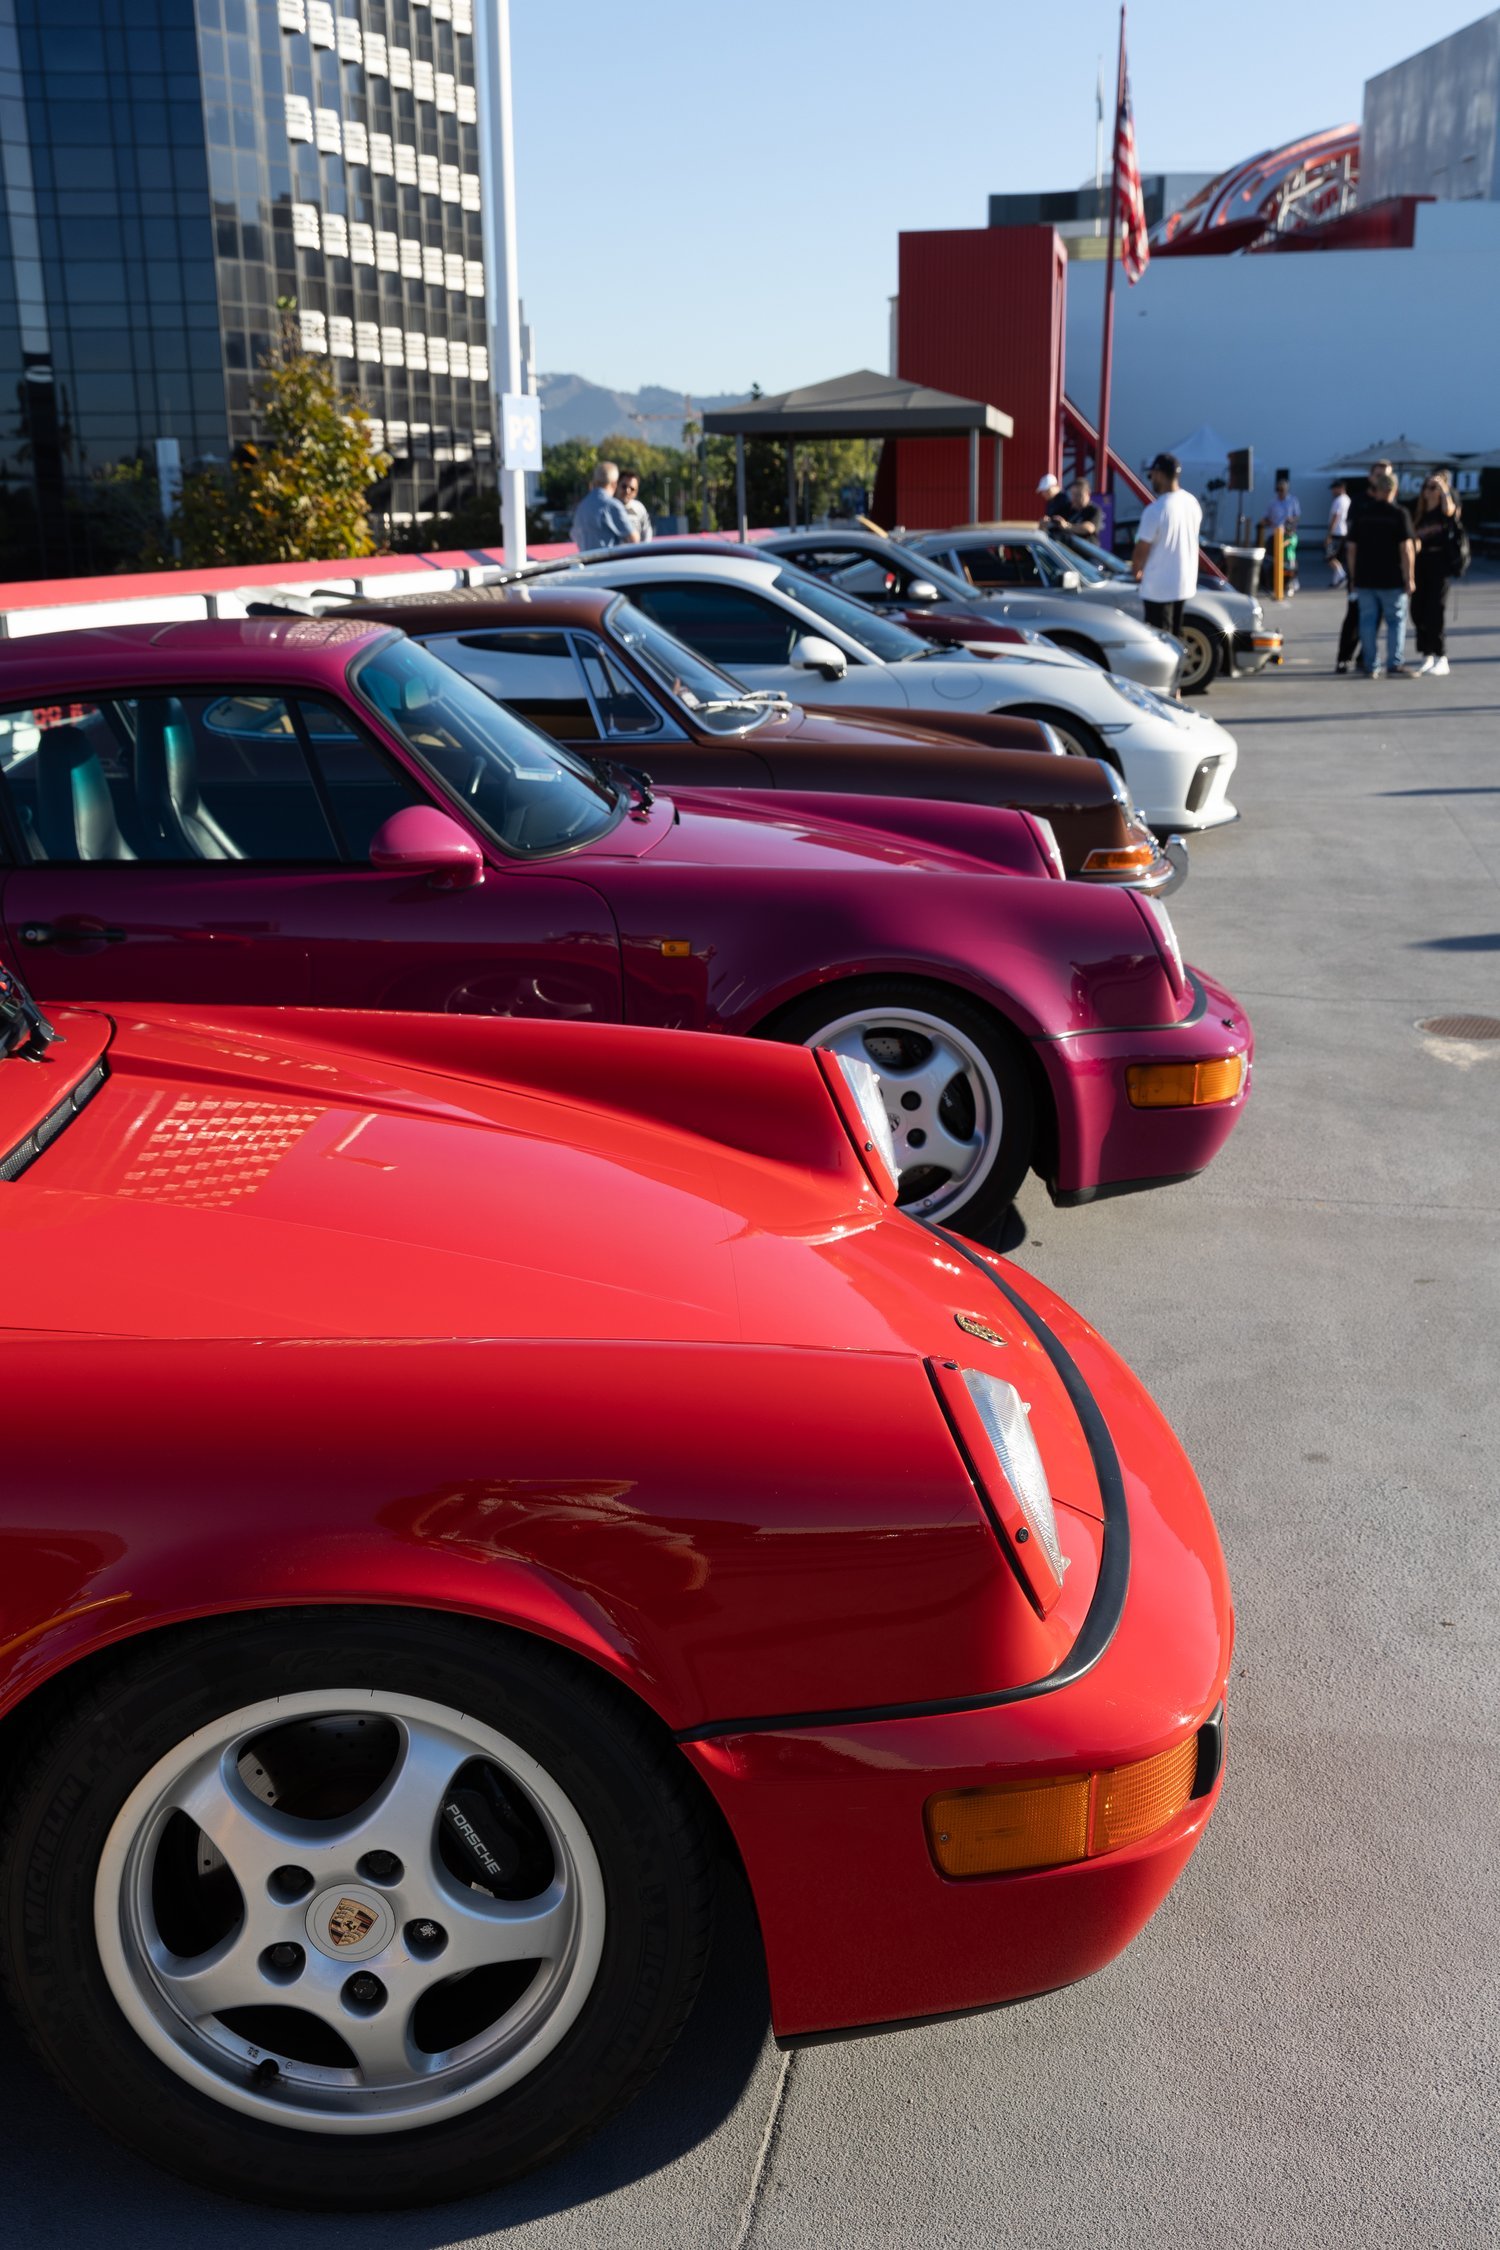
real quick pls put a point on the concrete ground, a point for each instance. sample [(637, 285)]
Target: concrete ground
[(1301, 2050)]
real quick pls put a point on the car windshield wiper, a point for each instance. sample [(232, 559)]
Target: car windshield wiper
[(633, 778), (25, 1034)]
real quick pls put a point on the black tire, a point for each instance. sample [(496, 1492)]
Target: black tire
[(1077, 736), (1206, 656), (810, 1019), (630, 1789)]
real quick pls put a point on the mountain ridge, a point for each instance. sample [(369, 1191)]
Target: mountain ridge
[(574, 407)]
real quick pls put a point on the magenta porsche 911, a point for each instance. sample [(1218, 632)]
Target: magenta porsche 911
[(319, 811)]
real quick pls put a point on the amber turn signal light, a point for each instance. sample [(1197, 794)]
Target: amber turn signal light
[(1122, 859), (1184, 1085), (1052, 1823)]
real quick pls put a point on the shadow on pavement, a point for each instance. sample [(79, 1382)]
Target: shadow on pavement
[(1464, 789), (1007, 1234), (66, 2183), (1487, 942)]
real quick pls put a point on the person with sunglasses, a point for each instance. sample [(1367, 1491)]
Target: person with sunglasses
[(1442, 553)]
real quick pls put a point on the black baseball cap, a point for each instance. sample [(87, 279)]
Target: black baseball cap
[(1168, 464)]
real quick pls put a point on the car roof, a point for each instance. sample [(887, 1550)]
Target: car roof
[(301, 648), (746, 572), (546, 600)]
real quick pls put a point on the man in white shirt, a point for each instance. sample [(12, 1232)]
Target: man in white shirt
[(1165, 557)]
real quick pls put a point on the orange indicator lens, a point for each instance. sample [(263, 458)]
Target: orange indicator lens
[(1054, 1822), (1184, 1085), (1123, 859)]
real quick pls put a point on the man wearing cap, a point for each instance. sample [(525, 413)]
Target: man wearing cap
[(1165, 558), (1047, 491)]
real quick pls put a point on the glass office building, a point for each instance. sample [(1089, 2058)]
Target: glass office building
[(172, 168)]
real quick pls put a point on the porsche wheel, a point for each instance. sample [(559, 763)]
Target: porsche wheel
[(955, 1089), (1204, 659), (397, 1932)]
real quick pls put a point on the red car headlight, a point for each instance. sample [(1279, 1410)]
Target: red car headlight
[(992, 1424), (855, 1087)]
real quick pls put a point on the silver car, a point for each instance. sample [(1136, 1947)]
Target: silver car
[(1223, 631), (914, 589), (775, 627)]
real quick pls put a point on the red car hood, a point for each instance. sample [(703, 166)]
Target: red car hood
[(295, 1173)]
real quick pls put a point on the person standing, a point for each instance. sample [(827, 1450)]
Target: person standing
[(1349, 642), (1164, 560), (1382, 564), (629, 496), (599, 520), (1442, 552), (1284, 514), (1338, 530), (1074, 510)]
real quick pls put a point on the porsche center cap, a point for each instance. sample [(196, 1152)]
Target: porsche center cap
[(349, 1923)]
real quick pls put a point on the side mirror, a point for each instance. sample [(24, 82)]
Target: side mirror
[(1070, 581), (813, 654), (420, 840), (921, 590)]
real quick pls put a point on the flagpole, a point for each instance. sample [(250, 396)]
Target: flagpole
[(1101, 462)]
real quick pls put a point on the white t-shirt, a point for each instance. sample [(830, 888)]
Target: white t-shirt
[(1338, 517), (1171, 523)]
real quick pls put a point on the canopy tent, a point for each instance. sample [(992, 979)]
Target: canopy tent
[(1204, 449), (863, 404), (1402, 453), (1490, 460)]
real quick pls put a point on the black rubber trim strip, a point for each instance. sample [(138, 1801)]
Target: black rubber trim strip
[(1195, 1014), (1069, 1199), (25, 1153), (1104, 1611)]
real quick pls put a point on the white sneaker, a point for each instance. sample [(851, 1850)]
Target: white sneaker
[(1440, 667), (1427, 664)]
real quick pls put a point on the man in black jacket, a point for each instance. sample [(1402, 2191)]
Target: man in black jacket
[(1349, 648), (1382, 554)]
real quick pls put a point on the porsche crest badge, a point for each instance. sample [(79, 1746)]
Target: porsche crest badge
[(972, 1325), (350, 1922)]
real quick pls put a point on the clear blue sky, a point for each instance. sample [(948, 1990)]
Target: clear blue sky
[(709, 194)]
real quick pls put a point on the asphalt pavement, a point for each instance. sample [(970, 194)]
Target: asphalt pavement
[(1303, 2049)]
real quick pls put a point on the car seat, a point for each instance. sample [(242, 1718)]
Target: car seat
[(176, 820), (75, 810)]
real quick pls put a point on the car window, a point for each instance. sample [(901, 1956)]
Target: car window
[(534, 672), (627, 715), (217, 777), (362, 787), (1000, 563), (727, 624), (853, 570), (534, 796)]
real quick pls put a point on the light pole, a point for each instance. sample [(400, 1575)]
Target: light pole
[(502, 296)]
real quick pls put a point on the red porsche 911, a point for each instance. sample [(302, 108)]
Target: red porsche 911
[(467, 1481)]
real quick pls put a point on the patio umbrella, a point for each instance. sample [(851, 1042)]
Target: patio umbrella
[(1490, 460), (1402, 453)]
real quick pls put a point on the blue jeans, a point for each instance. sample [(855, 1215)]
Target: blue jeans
[(1376, 602)]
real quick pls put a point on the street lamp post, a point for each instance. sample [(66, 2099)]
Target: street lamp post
[(502, 296)]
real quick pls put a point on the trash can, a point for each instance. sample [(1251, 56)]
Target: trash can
[(1241, 566)]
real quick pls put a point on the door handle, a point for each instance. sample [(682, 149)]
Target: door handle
[(69, 933)]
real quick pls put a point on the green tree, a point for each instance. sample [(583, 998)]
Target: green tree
[(665, 472), (300, 491)]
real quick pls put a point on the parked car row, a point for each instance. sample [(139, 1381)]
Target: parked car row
[(511, 1430)]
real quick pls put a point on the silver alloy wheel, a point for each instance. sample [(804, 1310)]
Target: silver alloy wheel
[(940, 1095), (1073, 745), (1202, 657), (416, 1931)]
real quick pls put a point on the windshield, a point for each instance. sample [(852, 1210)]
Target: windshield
[(1104, 564), (1053, 560), (532, 795), (890, 642), (719, 704)]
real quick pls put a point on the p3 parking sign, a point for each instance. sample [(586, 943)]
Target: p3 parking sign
[(521, 431)]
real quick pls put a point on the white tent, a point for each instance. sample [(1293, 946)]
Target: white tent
[(1205, 449)]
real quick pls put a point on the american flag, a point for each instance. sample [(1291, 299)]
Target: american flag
[(1135, 249)]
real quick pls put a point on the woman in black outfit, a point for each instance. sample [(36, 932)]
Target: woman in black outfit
[(1437, 526)]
